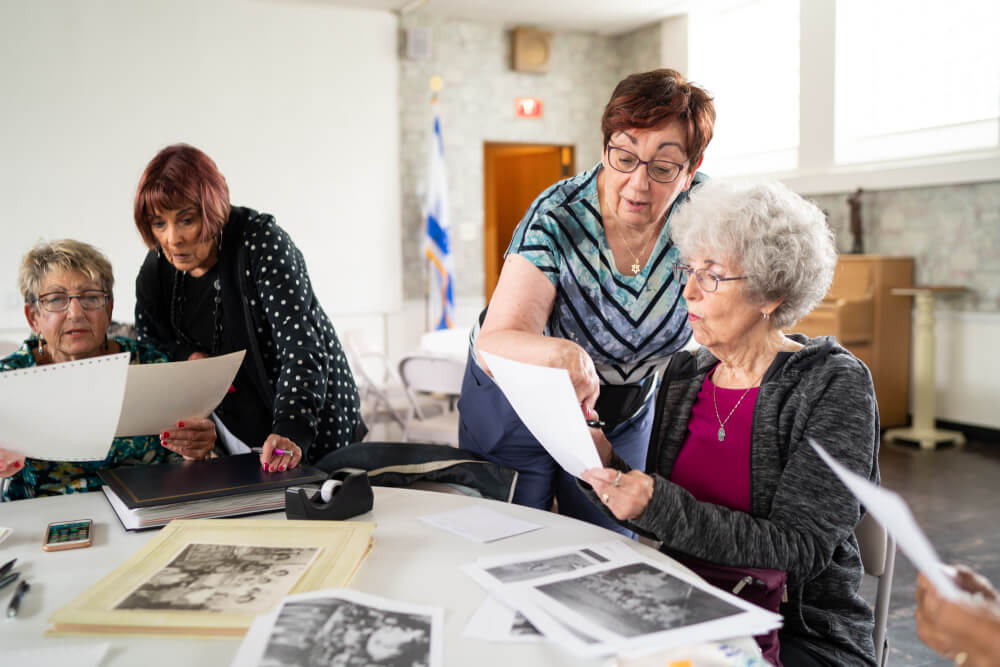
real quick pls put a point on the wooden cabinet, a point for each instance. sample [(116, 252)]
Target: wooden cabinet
[(872, 323)]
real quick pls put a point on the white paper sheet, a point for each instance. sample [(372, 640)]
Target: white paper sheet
[(545, 401), (892, 512), (63, 412), (78, 655), (495, 621), (158, 395), (479, 524)]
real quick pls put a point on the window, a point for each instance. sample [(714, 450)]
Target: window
[(915, 78), (746, 53)]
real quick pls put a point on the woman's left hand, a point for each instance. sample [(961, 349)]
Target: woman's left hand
[(625, 494), (194, 439), (290, 457)]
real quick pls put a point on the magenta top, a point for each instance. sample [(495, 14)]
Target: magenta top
[(713, 470)]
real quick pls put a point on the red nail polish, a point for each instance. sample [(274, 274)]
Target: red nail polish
[(265, 468), (17, 464), (180, 424), (166, 434), (281, 469)]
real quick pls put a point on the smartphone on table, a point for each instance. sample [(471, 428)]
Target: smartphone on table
[(61, 535)]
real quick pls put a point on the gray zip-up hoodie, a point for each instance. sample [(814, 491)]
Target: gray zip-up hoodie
[(802, 518)]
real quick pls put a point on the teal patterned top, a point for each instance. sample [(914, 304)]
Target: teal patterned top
[(50, 478)]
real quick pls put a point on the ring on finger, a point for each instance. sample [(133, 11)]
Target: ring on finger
[(605, 498), (618, 479)]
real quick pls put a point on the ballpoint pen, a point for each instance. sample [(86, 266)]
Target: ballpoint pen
[(9, 579), (15, 602), (7, 566)]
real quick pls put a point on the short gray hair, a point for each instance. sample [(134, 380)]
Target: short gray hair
[(63, 255), (780, 241)]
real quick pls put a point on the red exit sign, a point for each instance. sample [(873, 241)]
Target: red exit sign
[(528, 107)]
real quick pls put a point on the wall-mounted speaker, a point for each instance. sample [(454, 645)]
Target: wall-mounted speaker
[(530, 50), (417, 43)]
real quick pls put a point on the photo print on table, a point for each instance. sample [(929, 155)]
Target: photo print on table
[(637, 599), (542, 567), (224, 578), (330, 631)]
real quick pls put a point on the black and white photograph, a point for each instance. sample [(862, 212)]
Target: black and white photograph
[(637, 599), (223, 578), (541, 567), (351, 630)]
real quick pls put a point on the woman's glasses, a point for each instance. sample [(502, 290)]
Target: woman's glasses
[(661, 171), (57, 302), (707, 281)]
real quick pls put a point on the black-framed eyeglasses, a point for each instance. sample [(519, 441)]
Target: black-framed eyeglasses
[(58, 302), (707, 281), (661, 171)]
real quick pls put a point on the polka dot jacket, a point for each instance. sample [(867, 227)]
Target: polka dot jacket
[(295, 363)]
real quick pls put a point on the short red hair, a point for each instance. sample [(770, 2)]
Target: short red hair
[(650, 99), (181, 176)]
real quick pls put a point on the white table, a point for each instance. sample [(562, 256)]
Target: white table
[(411, 561)]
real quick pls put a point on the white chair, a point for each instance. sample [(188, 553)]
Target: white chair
[(431, 375), (383, 397), (878, 554)]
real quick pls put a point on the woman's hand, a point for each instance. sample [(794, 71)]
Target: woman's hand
[(567, 354), (625, 494), (197, 355), (270, 459), (194, 439), (11, 462), (960, 630)]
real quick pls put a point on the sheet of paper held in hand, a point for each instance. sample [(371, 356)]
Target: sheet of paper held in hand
[(158, 395), (63, 412), (545, 401), (890, 510)]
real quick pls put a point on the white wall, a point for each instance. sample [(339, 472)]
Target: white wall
[(296, 102)]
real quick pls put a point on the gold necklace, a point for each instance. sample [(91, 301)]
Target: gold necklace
[(722, 422), (636, 266)]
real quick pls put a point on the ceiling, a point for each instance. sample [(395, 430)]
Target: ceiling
[(606, 17)]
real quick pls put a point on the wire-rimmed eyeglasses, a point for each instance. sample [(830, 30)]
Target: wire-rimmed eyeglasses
[(661, 171), (58, 302), (707, 281)]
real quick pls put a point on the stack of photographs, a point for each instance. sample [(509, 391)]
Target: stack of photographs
[(603, 599)]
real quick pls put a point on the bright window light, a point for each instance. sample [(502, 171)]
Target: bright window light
[(746, 53), (916, 78)]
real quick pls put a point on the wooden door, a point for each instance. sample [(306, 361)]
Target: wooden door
[(514, 175)]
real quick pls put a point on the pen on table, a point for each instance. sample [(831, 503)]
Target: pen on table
[(279, 452), (6, 566), (9, 579), (15, 602)]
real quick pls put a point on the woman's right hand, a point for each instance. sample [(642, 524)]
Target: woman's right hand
[(11, 463), (567, 354)]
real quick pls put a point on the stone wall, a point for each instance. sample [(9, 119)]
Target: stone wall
[(952, 231)]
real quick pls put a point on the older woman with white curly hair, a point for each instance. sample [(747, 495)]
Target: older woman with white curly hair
[(731, 483)]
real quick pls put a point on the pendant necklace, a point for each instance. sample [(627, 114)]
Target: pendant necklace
[(722, 422), (636, 265)]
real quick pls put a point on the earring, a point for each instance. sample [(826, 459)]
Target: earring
[(159, 251), (767, 316), (41, 345)]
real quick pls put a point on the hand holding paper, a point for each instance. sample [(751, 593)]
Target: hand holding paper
[(545, 401)]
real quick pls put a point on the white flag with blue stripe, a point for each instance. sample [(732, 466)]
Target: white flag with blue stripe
[(441, 295)]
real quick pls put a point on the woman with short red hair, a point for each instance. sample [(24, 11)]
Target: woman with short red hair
[(587, 286), (220, 278)]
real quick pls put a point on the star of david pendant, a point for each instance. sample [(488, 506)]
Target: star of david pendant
[(636, 269), (722, 433)]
